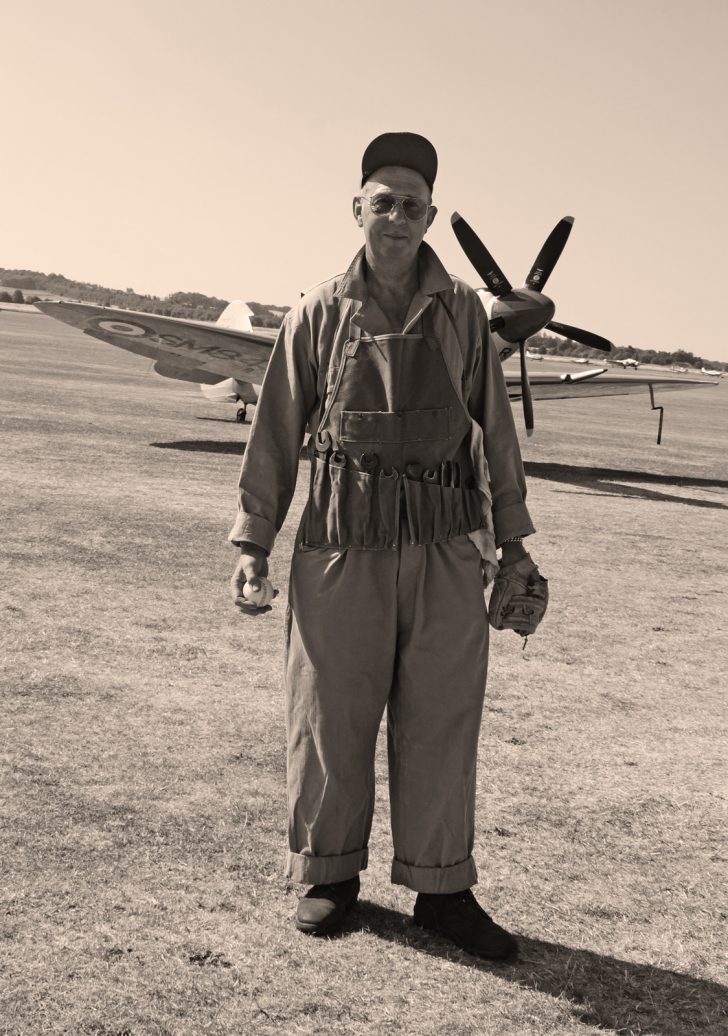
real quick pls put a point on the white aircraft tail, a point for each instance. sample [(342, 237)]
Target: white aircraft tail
[(231, 391), (236, 316), (223, 392)]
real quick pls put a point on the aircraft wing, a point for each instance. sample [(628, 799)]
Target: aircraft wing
[(598, 383), (207, 353), (186, 349)]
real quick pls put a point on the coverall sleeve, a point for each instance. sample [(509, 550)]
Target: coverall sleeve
[(270, 464), (490, 407)]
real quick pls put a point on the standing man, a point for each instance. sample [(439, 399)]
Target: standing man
[(416, 477)]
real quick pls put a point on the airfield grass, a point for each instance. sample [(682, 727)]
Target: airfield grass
[(144, 757)]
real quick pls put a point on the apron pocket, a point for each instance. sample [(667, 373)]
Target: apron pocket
[(446, 512), (335, 523), (395, 426), (436, 513), (457, 527), (314, 532), (385, 510), (348, 508), (413, 492), (352, 506), (473, 502)]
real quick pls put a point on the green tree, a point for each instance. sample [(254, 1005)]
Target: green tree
[(18, 296)]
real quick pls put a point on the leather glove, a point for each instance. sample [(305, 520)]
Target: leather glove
[(519, 598)]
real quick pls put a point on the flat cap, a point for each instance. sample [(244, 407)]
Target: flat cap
[(405, 149)]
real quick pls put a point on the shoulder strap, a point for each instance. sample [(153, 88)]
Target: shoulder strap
[(454, 360), (332, 355), (453, 354)]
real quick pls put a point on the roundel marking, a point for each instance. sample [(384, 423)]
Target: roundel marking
[(119, 327)]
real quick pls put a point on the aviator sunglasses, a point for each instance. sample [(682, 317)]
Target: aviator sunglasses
[(382, 204)]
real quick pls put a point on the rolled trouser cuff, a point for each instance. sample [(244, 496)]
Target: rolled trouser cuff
[(322, 870), (435, 879)]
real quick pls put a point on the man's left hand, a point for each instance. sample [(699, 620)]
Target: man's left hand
[(520, 593)]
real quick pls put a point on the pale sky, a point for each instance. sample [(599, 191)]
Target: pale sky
[(181, 145)]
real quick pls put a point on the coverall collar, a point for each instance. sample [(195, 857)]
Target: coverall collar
[(433, 278)]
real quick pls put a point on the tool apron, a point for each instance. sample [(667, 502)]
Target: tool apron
[(386, 609), (393, 441)]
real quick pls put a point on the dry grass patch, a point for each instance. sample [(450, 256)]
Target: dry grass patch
[(143, 749)]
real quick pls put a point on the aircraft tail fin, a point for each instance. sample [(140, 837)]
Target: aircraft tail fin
[(231, 391), (236, 316), (222, 392)]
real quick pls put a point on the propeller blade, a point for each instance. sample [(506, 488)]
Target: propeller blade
[(548, 257), (486, 266), (526, 392), (576, 334), (584, 376)]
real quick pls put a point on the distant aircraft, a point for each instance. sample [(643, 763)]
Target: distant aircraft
[(228, 359), (627, 364), (534, 356), (713, 374)]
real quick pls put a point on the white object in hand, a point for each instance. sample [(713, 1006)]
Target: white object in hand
[(261, 597)]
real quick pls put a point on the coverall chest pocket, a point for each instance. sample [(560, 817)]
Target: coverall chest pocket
[(397, 426)]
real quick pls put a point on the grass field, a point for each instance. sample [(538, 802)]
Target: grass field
[(143, 822)]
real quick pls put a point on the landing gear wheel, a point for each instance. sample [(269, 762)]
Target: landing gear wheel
[(241, 414)]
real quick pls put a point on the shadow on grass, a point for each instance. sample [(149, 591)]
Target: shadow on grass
[(603, 479), (202, 446), (599, 480), (208, 446), (225, 420), (603, 991)]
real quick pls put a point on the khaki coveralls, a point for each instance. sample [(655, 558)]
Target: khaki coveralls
[(386, 605)]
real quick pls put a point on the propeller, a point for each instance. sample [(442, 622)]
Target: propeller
[(497, 282), (576, 334), (521, 313), (548, 257), (526, 398)]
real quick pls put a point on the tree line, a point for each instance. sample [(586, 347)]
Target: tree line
[(191, 305), (18, 297)]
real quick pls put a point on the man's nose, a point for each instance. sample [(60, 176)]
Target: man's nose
[(397, 214)]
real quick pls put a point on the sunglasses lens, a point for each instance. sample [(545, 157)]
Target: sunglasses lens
[(381, 204), (414, 208)]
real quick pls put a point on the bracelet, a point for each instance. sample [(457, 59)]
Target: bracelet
[(513, 539)]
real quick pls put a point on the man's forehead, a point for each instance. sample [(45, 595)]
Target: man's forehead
[(398, 179)]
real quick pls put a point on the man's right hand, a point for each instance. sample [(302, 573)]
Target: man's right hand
[(252, 566)]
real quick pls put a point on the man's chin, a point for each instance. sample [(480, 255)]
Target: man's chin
[(397, 246)]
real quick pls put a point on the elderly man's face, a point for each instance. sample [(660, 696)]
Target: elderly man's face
[(392, 236)]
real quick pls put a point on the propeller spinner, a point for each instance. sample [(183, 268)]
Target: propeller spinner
[(518, 314)]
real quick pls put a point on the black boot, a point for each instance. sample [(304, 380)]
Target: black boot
[(459, 917), (324, 907)]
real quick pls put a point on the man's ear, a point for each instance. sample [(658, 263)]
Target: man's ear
[(431, 213), (356, 206)]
